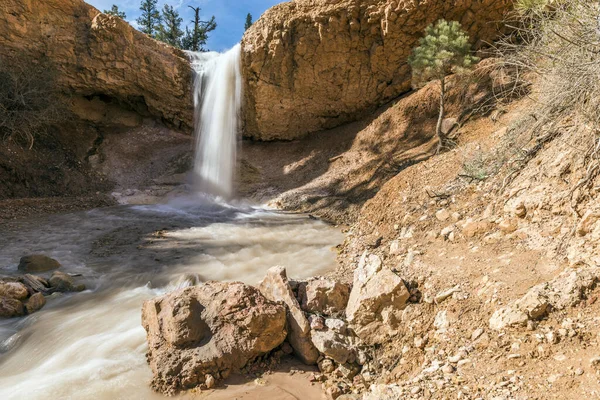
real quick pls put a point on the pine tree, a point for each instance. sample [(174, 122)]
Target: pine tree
[(170, 30), (248, 22), (196, 38), (114, 10), (444, 49), (149, 21)]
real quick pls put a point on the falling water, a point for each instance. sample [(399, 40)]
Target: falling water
[(217, 101)]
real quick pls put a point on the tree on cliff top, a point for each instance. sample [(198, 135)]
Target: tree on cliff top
[(248, 23), (114, 10), (444, 49), (195, 39), (170, 30), (149, 21)]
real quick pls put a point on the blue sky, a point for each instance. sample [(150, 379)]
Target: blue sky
[(230, 15)]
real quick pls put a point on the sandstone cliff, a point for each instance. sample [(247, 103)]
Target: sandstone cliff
[(100, 56), (312, 65)]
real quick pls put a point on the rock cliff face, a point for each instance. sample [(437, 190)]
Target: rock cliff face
[(316, 64), (99, 56)]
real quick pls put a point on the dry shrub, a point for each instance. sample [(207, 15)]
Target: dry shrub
[(556, 44), (30, 101), (560, 46)]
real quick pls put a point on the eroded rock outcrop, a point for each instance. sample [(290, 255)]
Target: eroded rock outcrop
[(202, 333), (329, 62), (100, 57), (566, 290)]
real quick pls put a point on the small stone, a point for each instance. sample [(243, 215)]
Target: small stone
[(509, 225), (362, 358), (520, 210), (507, 317), (588, 221), (447, 231), (336, 325), (463, 362), (579, 372), (333, 392), (442, 215), (415, 390), (314, 377), (443, 295), (552, 338), (317, 323), (448, 369), (209, 381), (473, 228), (395, 247), (35, 303), (476, 334), (326, 366), (455, 358), (554, 378), (420, 342), (595, 361), (286, 348)]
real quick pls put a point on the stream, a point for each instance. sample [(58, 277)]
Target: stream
[(91, 344)]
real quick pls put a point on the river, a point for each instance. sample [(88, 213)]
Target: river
[(91, 344)]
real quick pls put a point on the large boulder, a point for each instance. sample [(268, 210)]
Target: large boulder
[(100, 58), (312, 65), (324, 296), (204, 332), (275, 287), (37, 263), (378, 294), (333, 341)]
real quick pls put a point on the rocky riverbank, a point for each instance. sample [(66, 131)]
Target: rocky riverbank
[(22, 295)]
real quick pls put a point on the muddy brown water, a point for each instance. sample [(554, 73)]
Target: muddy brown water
[(91, 344)]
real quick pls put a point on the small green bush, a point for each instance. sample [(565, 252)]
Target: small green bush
[(444, 49)]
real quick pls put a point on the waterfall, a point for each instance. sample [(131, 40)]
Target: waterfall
[(217, 102)]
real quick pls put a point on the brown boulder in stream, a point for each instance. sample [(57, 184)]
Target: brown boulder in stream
[(13, 290), (35, 303), (11, 308), (211, 329), (61, 282), (37, 263)]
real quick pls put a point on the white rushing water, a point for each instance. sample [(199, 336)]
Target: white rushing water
[(217, 101), (91, 345)]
